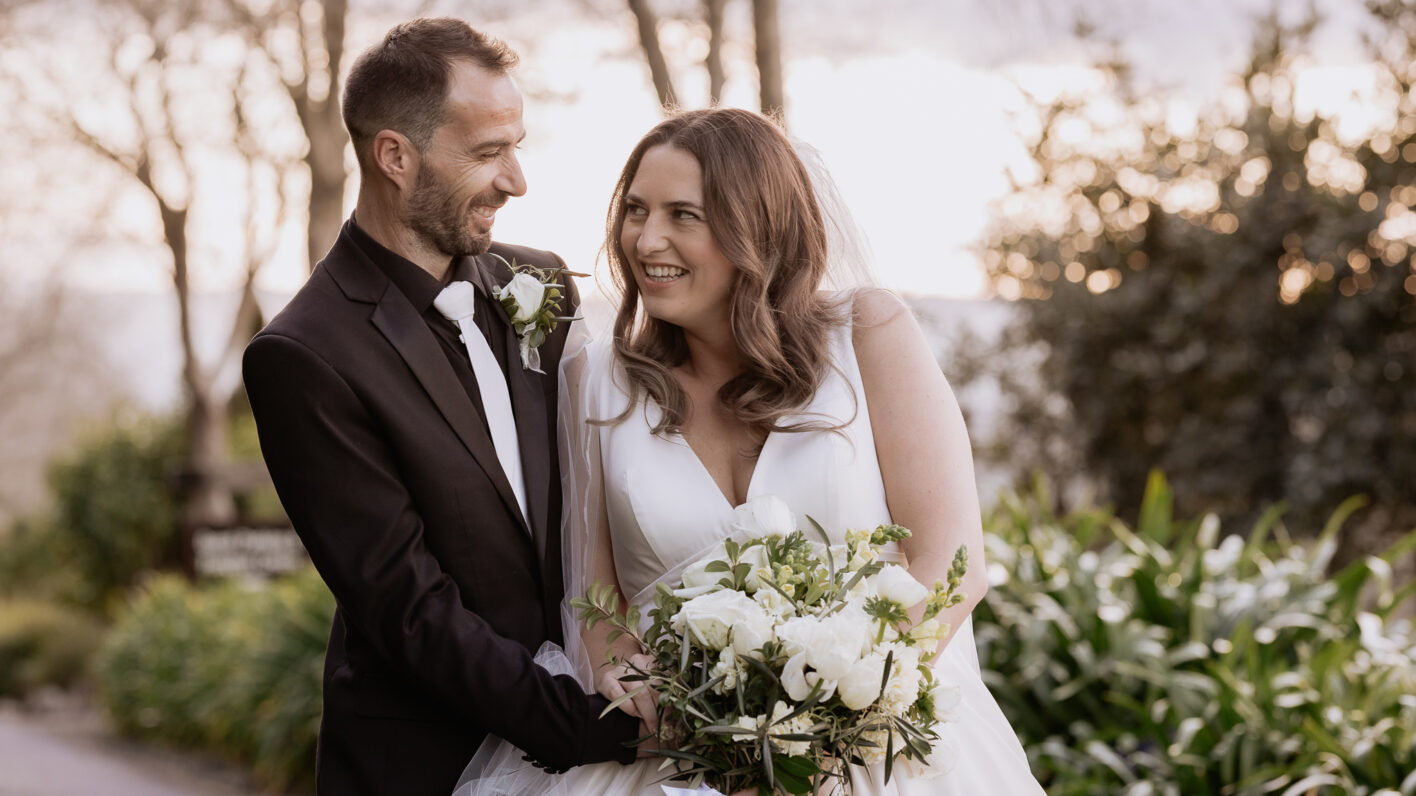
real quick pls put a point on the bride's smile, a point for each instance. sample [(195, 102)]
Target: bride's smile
[(682, 274)]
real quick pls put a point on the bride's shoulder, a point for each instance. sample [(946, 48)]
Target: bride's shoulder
[(872, 307)]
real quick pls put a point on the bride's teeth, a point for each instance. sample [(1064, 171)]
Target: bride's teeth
[(663, 272)]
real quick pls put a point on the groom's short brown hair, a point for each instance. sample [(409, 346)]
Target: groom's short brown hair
[(401, 83)]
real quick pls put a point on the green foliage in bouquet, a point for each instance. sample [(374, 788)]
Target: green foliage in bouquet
[(225, 667), (1167, 658), (742, 701)]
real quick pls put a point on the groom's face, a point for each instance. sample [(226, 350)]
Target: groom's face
[(469, 168)]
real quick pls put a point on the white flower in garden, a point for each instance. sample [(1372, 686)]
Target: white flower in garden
[(764, 515), (946, 698), (714, 617), (528, 292), (860, 685), (893, 582)]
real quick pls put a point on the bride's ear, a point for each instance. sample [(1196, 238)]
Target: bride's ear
[(395, 158)]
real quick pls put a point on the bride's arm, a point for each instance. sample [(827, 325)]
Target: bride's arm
[(925, 458), (590, 554), (596, 639)]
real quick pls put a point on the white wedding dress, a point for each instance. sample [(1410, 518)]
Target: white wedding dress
[(665, 510)]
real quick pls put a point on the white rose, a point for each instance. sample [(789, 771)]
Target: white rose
[(764, 515), (698, 580), (528, 292), (861, 685), (697, 576), (946, 698), (712, 619), (894, 583)]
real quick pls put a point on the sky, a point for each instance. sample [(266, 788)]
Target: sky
[(912, 105)]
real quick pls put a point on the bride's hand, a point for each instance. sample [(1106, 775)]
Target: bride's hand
[(643, 705)]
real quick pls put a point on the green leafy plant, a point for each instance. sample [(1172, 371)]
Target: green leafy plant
[(1167, 658), (43, 644)]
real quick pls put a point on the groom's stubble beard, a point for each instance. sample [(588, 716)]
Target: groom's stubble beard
[(433, 213)]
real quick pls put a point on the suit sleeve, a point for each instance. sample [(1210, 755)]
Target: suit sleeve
[(339, 483)]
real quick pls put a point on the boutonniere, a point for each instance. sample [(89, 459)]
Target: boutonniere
[(532, 301)]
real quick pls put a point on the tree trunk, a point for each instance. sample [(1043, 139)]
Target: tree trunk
[(769, 57), (713, 13), (324, 128), (204, 499), (653, 53)]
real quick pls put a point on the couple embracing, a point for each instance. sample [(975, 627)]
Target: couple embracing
[(409, 413)]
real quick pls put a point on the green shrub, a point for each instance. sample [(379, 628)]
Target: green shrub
[(225, 667), (1162, 659), (113, 517), (43, 644)]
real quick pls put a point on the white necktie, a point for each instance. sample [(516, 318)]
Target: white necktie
[(458, 303)]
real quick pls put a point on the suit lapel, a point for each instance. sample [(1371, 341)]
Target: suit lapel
[(409, 335), (528, 405)]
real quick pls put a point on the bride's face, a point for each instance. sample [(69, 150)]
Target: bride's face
[(683, 276)]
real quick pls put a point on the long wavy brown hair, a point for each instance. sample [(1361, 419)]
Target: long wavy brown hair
[(760, 208)]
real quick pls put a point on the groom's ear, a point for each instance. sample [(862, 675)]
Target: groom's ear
[(395, 158)]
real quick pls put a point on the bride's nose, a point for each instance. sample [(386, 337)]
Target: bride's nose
[(653, 236)]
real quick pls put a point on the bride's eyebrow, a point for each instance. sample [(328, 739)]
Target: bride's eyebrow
[(678, 204)]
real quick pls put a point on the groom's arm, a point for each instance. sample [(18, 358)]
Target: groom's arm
[(337, 478)]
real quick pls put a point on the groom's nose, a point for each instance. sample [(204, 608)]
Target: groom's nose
[(510, 180)]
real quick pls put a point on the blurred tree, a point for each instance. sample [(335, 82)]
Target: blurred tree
[(304, 42), (710, 15), (1229, 298), (175, 103)]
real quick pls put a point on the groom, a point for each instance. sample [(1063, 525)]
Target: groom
[(434, 523)]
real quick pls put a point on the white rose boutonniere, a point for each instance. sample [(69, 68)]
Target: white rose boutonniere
[(532, 301)]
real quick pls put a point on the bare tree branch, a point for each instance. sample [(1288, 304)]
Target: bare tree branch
[(653, 53)]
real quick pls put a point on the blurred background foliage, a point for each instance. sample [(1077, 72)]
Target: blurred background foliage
[(1228, 297), (226, 667)]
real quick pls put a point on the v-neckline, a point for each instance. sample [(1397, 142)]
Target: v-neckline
[(713, 482)]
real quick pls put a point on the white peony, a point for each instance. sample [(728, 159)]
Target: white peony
[(528, 292), (832, 644), (764, 515), (798, 682), (716, 618), (895, 583), (861, 684)]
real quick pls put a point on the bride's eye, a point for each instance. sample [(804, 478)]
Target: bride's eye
[(633, 211), (687, 215)]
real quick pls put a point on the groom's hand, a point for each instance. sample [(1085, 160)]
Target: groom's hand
[(644, 705)]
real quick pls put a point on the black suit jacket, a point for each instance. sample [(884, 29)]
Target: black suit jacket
[(388, 474)]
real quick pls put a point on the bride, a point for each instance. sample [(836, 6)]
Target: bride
[(733, 374)]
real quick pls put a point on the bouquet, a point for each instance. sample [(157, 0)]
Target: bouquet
[(779, 661)]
